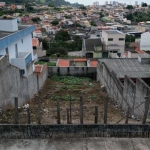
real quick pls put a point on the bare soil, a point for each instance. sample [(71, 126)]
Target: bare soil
[(92, 96)]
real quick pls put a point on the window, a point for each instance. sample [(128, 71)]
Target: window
[(22, 72), (110, 39), (22, 41), (16, 50), (7, 52), (121, 39)]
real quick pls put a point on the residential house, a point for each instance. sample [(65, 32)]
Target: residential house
[(38, 48), (16, 41), (37, 33), (114, 43), (93, 48)]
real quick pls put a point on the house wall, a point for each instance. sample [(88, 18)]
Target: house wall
[(8, 25), (26, 46), (12, 84), (128, 95), (144, 43), (115, 37)]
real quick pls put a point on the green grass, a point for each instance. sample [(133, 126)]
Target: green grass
[(70, 80), (48, 63)]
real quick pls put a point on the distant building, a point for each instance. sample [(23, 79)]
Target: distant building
[(114, 42), (96, 3), (136, 3), (106, 2)]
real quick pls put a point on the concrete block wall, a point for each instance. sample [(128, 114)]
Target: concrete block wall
[(130, 94), (142, 90), (111, 82), (12, 84), (74, 71)]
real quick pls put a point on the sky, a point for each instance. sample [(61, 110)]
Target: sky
[(101, 2)]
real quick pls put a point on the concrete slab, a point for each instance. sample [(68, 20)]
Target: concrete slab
[(77, 144)]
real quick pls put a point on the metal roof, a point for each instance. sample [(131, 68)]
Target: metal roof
[(130, 67)]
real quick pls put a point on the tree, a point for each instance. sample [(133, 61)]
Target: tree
[(55, 22), (36, 19), (62, 35), (93, 23), (50, 5), (101, 15), (144, 5), (129, 7), (82, 7), (44, 43)]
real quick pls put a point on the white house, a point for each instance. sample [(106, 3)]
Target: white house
[(145, 41), (16, 41), (114, 42)]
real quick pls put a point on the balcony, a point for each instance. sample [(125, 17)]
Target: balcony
[(23, 60)]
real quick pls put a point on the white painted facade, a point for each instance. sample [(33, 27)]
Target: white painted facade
[(116, 44), (145, 41), (9, 25), (20, 50)]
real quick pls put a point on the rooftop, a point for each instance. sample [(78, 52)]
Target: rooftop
[(131, 67), (6, 33), (113, 32)]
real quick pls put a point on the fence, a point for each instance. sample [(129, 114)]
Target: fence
[(72, 131)]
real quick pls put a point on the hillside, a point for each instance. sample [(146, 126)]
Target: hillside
[(54, 2)]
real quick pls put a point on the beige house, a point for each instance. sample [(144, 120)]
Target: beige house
[(114, 42)]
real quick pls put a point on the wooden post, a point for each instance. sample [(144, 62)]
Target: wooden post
[(96, 114), (16, 110), (58, 111), (81, 110), (28, 115), (68, 120), (105, 109), (39, 110), (147, 103), (127, 115)]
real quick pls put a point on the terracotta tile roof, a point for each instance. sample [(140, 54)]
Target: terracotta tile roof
[(35, 42), (137, 48), (63, 63), (38, 68), (93, 63), (37, 31), (80, 59)]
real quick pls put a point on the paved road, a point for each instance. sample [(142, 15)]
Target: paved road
[(77, 144)]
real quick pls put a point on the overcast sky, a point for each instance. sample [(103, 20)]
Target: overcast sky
[(90, 2)]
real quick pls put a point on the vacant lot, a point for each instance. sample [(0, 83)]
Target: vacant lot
[(65, 88)]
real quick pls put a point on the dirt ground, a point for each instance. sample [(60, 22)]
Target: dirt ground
[(52, 90)]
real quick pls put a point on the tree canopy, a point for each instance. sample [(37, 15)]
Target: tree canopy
[(129, 7), (62, 36), (144, 5), (55, 22)]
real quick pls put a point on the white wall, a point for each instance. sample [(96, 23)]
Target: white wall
[(145, 41), (26, 46), (8, 25)]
